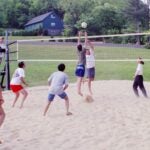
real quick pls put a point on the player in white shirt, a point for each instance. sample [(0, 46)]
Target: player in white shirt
[(58, 83), (90, 63), (16, 84), (138, 79)]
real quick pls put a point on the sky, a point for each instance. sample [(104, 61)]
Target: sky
[(144, 0)]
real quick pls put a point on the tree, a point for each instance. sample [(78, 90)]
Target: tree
[(134, 12), (106, 19), (74, 12), (101, 17)]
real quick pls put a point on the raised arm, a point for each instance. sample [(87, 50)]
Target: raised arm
[(90, 44), (79, 37), (86, 39)]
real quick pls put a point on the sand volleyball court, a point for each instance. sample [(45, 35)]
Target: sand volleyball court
[(116, 120)]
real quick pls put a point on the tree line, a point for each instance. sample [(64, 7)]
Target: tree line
[(102, 16)]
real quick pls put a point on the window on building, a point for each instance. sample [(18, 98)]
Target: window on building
[(53, 24), (52, 16)]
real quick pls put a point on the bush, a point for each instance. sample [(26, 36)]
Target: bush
[(2, 32), (67, 32), (25, 33), (147, 46)]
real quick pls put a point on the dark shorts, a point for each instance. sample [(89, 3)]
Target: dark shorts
[(90, 72), (80, 71), (51, 96)]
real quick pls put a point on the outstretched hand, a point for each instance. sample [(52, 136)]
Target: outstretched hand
[(79, 33)]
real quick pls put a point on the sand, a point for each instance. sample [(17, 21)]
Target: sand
[(116, 120)]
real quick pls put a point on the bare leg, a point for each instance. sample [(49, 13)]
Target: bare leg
[(2, 117), (16, 98), (89, 85), (67, 106), (25, 94), (47, 107), (79, 82)]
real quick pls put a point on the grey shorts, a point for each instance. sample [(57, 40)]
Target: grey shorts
[(90, 72)]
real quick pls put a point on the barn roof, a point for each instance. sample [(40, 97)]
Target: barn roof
[(38, 19)]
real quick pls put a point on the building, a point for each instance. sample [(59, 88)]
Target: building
[(49, 23)]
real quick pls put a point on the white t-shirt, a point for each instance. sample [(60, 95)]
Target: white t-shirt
[(19, 72), (90, 59), (58, 80), (139, 70)]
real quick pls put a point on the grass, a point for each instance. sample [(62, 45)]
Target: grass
[(37, 73), (41, 50)]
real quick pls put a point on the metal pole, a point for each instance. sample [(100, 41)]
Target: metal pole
[(7, 62), (148, 3)]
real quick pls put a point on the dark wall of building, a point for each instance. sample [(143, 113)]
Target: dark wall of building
[(53, 24)]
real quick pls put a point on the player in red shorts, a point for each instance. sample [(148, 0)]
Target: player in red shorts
[(16, 83)]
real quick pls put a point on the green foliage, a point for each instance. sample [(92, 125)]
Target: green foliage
[(147, 46), (67, 32), (106, 19), (27, 33), (137, 13), (2, 32), (102, 16)]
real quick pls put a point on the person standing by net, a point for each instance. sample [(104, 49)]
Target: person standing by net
[(138, 79), (80, 68), (2, 113), (17, 82), (90, 63)]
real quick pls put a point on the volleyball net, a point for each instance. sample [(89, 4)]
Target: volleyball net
[(115, 56), (118, 47)]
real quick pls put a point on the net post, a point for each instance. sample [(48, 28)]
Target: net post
[(7, 62)]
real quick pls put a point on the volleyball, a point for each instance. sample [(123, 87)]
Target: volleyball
[(83, 24), (88, 98)]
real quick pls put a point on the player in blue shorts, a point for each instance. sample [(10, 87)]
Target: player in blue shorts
[(80, 68), (58, 83)]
